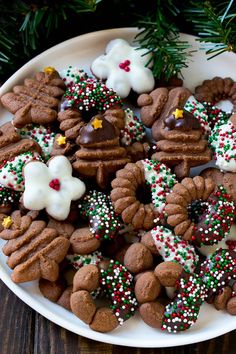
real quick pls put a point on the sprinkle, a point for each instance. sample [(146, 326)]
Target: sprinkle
[(134, 129), (90, 93), (182, 312), (178, 113), (96, 123), (8, 196), (49, 70), (43, 136), (218, 212), (173, 248), (11, 171), (78, 260), (161, 180), (218, 270), (61, 140), (7, 222), (73, 75), (117, 284), (104, 222)]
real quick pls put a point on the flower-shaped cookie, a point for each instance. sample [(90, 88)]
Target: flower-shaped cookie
[(124, 67), (51, 187)]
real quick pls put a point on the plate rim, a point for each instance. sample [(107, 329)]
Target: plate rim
[(28, 298)]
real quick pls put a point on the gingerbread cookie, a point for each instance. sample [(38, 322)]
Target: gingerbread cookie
[(183, 145), (110, 279), (37, 100), (33, 250), (71, 122), (100, 155)]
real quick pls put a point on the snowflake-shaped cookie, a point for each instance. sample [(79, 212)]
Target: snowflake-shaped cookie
[(51, 187), (124, 67)]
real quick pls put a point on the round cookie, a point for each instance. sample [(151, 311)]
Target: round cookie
[(193, 205), (216, 89), (116, 283), (226, 179), (90, 95), (82, 241), (147, 180)]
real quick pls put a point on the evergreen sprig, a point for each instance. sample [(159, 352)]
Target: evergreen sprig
[(160, 36), (215, 24), (27, 26)]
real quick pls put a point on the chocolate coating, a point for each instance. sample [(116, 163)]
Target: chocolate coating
[(188, 122), (90, 135)]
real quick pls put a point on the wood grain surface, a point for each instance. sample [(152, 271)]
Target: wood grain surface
[(23, 331)]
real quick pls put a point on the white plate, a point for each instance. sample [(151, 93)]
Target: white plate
[(80, 51)]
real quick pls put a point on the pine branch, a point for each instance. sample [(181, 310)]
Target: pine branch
[(161, 37), (215, 24), (40, 17)]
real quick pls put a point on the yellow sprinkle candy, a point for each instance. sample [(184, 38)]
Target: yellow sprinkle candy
[(61, 140), (178, 113), (49, 70), (97, 123), (7, 222)]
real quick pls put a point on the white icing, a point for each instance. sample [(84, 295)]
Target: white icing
[(39, 195), (133, 130), (161, 181), (107, 66), (208, 250), (43, 136), (173, 248), (11, 173), (223, 141), (78, 260), (199, 111), (72, 74)]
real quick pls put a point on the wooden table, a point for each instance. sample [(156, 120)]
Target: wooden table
[(24, 331)]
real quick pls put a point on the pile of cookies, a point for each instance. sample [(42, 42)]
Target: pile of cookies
[(110, 221)]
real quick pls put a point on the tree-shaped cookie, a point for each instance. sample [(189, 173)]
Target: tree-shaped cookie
[(183, 145), (37, 100), (34, 250), (100, 154)]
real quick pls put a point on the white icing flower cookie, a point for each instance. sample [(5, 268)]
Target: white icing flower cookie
[(51, 187), (124, 68)]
